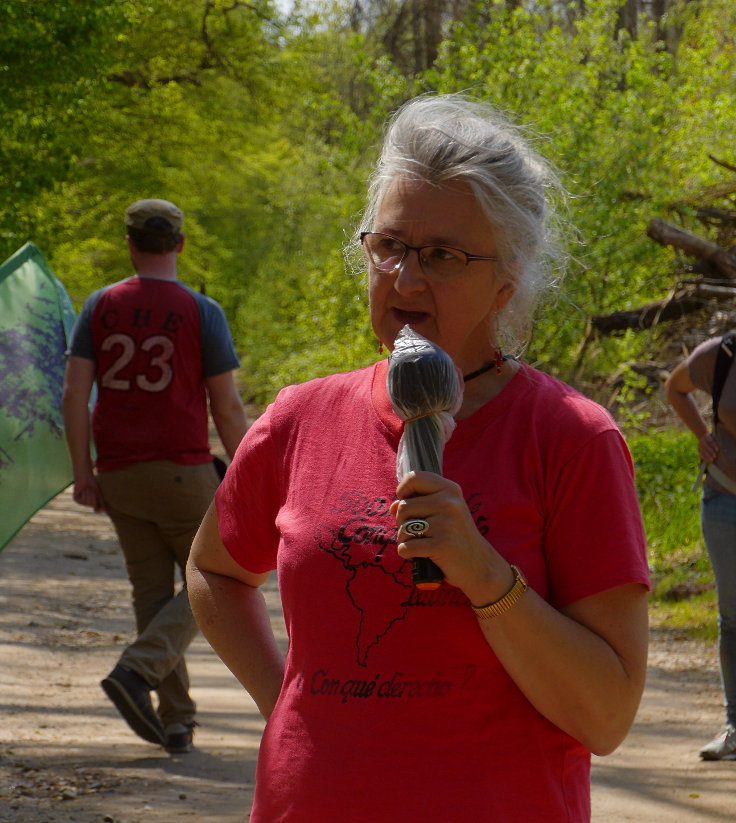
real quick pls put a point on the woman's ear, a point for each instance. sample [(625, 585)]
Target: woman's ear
[(503, 295)]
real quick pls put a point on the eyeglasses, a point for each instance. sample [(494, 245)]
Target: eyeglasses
[(387, 253)]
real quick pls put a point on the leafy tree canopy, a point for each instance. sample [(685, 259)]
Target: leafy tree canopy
[(263, 128)]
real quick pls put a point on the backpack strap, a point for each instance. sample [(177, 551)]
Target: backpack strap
[(724, 359)]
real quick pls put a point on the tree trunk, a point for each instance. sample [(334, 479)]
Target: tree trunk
[(720, 260), (432, 31), (647, 316), (686, 301), (417, 38), (628, 17)]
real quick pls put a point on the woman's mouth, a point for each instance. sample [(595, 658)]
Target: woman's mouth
[(406, 316)]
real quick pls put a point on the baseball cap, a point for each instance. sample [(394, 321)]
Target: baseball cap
[(141, 211)]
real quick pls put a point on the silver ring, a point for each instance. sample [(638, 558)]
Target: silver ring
[(416, 527)]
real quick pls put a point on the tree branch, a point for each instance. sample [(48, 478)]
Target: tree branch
[(723, 163), (136, 79), (685, 301), (667, 234)]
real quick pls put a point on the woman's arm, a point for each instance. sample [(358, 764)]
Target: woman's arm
[(678, 389), (582, 667), (232, 614)]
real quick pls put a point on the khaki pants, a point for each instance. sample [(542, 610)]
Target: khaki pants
[(156, 508)]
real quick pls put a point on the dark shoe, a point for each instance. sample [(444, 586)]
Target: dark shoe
[(132, 698), (179, 737)]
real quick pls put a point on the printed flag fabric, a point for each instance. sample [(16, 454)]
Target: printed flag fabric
[(36, 317)]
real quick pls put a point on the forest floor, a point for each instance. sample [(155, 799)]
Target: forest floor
[(65, 755)]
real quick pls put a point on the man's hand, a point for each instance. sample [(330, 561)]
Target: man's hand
[(87, 493)]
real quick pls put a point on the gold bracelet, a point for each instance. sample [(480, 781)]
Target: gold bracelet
[(507, 601)]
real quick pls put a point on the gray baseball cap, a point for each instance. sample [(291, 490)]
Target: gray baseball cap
[(139, 212)]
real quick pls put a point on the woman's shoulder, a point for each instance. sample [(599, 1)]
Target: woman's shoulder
[(568, 426), (330, 384), (319, 404), (707, 349), (562, 405), (702, 361), (322, 397), (705, 352)]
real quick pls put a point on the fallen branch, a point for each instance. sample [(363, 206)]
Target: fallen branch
[(686, 301), (722, 163), (718, 258)]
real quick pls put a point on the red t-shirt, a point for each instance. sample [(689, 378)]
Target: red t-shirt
[(153, 342), (394, 708)]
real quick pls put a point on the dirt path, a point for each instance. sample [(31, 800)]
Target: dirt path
[(66, 756)]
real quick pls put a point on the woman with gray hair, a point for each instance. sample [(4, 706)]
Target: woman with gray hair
[(481, 699), (449, 139)]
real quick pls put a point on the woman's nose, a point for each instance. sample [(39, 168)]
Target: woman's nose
[(410, 276)]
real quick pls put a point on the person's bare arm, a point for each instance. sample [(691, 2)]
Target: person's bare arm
[(232, 614), (582, 667), (79, 376), (678, 389), (227, 410)]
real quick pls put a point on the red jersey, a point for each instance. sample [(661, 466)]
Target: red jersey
[(153, 342)]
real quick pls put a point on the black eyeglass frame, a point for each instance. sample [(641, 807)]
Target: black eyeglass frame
[(469, 258)]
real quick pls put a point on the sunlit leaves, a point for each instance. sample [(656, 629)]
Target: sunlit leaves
[(264, 130), (628, 124)]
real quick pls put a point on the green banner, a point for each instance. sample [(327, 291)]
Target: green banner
[(36, 317)]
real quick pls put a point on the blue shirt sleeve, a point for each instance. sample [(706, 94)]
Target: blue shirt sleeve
[(218, 350), (80, 339)]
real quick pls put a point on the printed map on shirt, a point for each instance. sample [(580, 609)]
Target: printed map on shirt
[(364, 575)]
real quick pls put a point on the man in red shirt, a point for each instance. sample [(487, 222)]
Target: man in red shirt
[(159, 354)]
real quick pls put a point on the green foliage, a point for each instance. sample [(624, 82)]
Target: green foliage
[(666, 467), (306, 313), (171, 68), (695, 616), (622, 119), (243, 122), (52, 56), (601, 105), (264, 130), (683, 596), (307, 310)]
